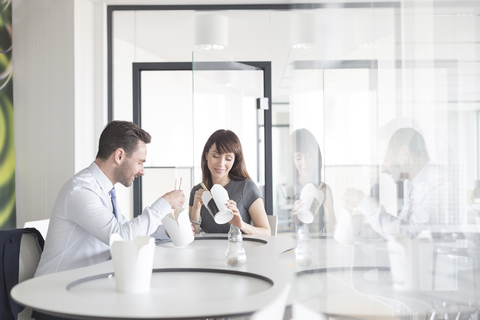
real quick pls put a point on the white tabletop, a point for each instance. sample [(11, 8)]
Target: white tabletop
[(195, 282), (192, 281), (356, 280)]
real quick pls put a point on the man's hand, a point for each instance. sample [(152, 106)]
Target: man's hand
[(352, 197), (175, 198)]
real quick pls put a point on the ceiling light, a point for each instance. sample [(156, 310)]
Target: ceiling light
[(303, 31), (211, 32)]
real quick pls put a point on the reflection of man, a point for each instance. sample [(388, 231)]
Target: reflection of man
[(406, 159), (85, 213)]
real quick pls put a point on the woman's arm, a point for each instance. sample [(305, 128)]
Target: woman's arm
[(196, 227), (329, 215), (194, 211), (258, 215)]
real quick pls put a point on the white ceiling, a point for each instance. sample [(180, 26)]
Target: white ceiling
[(341, 34)]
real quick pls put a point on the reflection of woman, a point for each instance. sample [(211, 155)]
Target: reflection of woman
[(308, 163), (223, 164)]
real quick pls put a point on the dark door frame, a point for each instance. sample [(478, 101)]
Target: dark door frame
[(395, 5), (265, 66)]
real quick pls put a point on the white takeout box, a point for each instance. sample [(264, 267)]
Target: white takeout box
[(220, 197), (132, 262), (307, 195), (178, 227), (411, 262), (348, 227)]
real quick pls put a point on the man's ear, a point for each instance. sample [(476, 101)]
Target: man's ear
[(405, 154), (119, 155)]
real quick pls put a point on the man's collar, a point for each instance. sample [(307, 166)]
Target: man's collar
[(421, 176), (102, 179)]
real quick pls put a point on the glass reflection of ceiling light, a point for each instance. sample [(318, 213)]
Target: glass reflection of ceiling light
[(303, 31), (368, 45), (302, 45), (442, 15), (211, 32)]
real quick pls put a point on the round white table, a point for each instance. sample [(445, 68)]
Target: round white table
[(188, 282), (195, 282), (357, 281)]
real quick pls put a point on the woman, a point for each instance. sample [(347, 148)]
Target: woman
[(223, 164), (308, 164)]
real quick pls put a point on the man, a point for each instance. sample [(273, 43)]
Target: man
[(85, 213), (406, 159)]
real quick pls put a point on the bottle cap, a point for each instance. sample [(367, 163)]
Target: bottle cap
[(234, 234)]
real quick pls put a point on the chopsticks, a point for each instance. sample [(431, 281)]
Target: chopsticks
[(174, 213), (180, 186), (203, 186)]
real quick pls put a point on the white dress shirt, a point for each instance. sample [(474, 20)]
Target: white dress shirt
[(82, 222), (424, 204)]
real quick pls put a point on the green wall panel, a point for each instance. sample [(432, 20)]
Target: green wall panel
[(7, 151)]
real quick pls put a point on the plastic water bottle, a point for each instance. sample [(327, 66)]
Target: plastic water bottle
[(303, 254)]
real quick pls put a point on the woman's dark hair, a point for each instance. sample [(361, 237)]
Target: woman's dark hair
[(121, 134), (304, 142), (226, 141)]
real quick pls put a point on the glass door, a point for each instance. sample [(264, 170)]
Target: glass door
[(230, 95), (165, 111)]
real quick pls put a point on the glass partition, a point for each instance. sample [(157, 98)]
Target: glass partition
[(385, 210), (225, 96), (166, 96)]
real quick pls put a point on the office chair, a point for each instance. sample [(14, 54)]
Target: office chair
[(273, 222), (19, 257), (40, 225)]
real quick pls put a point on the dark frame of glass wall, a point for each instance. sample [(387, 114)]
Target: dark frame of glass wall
[(267, 91), (297, 6), (187, 66)]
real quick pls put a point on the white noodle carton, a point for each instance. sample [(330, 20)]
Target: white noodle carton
[(309, 193), (132, 262), (178, 227), (348, 226), (218, 207)]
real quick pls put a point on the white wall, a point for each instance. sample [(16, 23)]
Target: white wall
[(58, 114), (84, 93), (90, 56)]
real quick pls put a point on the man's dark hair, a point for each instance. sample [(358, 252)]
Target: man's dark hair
[(121, 134), (408, 137)]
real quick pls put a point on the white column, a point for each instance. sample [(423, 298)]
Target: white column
[(59, 94)]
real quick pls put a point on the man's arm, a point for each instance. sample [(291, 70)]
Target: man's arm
[(413, 218), (160, 233), (85, 208)]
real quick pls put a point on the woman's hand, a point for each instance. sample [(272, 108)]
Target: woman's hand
[(321, 194), (237, 220), (194, 211), (197, 201), (297, 205)]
